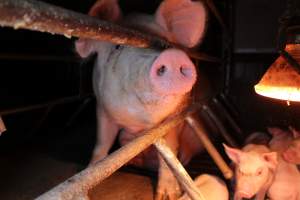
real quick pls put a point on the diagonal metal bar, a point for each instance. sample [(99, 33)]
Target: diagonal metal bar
[(43, 17), (178, 170), (78, 186)]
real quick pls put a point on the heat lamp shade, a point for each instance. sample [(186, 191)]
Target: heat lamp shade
[(281, 81)]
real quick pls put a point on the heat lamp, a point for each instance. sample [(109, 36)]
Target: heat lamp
[(282, 79)]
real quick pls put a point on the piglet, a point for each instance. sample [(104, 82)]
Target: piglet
[(139, 88), (255, 167), (292, 153), (286, 185), (211, 187)]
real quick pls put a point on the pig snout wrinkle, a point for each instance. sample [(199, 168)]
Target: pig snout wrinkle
[(173, 72)]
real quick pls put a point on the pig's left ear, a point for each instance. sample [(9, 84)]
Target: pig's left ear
[(271, 159), (233, 154), (107, 10), (183, 21), (296, 133)]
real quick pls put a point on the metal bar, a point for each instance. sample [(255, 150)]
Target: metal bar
[(2, 126), (228, 104), (199, 130), (220, 126), (40, 16), (228, 116), (42, 105), (178, 170), (79, 184)]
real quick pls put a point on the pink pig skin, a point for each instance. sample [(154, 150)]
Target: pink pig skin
[(292, 153), (139, 88), (255, 167), (286, 185), (211, 187)]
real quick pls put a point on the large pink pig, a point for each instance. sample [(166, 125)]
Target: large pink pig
[(255, 168), (286, 185), (139, 88)]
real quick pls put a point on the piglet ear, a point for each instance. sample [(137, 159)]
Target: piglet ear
[(296, 133), (271, 159), (107, 10), (183, 20), (233, 154), (274, 131)]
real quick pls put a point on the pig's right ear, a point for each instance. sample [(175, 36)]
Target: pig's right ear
[(183, 21), (107, 10), (233, 154), (296, 133), (84, 47)]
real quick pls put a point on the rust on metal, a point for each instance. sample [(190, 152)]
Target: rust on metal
[(43, 17)]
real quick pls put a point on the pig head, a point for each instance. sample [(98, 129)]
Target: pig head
[(292, 153), (255, 166), (139, 88)]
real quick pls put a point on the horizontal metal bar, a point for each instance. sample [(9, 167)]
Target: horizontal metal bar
[(178, 170), (42, 105), (79, 184)]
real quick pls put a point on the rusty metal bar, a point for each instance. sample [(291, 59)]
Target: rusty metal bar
[(199, 130), (2, 126), (43, 17), (220, 126), (78, 185), (178, 170), (40, 16)]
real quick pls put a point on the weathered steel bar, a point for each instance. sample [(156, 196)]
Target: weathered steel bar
[(178, 170), (227, 172), (40, 16), (78, 185), (2, 126), (220, 126)]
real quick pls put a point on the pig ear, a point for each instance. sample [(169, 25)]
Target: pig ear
[(84, 47), (107, 10), (296, 133), (274, 131), (233, 154), (271, 159), (183, 20)]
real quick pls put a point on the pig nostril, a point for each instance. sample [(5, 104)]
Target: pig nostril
[(160, 71), (185, 71)]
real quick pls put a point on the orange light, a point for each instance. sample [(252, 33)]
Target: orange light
[(281, 81)]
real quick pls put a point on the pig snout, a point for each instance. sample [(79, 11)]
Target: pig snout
[(172, 72)]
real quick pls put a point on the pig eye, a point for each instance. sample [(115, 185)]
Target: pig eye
[(259, 172), (160, 71)]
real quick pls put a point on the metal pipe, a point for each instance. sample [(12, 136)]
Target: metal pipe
[(42, 105), (79, 184), (220, 126), (197, 127), (178, 170), (40, 16)]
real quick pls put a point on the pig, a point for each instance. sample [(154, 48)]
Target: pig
[(137, 89), (292, 153), (255, 168), (258, 138), (286, 185), (211, 187)]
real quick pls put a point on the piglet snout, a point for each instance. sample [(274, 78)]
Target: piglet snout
[(173, 72)]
